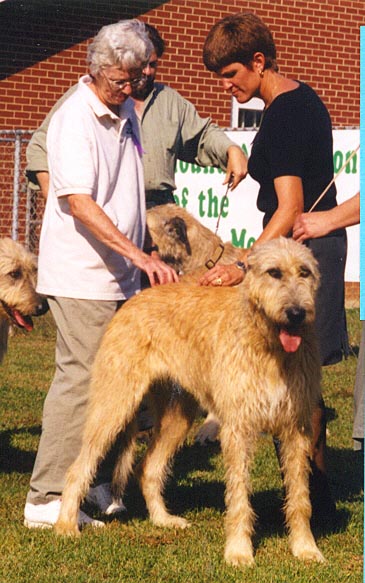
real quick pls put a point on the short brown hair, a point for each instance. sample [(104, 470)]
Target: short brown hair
[(235, 39)]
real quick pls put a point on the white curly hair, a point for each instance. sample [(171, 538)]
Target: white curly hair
[(125, 44)]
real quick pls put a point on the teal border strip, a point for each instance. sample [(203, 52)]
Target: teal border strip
[(362, 202), (362, 173)]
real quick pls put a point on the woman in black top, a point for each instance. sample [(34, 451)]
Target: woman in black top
[(292, 160), (295, 140)]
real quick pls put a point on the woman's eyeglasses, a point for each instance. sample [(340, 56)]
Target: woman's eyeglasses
[(121, 84)]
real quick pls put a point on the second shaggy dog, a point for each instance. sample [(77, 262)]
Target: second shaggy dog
[(18, 298), (248, 354), (184, 243)]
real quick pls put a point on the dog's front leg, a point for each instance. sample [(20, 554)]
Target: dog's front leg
[(295, 451), (237, 450)]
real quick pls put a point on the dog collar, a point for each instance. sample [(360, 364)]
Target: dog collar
[(211, 262)]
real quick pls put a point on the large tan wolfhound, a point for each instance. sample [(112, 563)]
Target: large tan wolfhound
[(18, 298), (246, 353)]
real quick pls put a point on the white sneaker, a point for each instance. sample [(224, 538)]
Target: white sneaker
[(46, 515), (101, 497)]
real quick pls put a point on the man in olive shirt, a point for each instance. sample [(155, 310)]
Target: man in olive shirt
[(171, 129)]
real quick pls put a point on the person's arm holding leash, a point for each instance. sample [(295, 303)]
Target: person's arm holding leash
[(236, 166), (319, 224), (206, 144)]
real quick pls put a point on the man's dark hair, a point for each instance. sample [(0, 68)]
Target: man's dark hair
[(156, 39)]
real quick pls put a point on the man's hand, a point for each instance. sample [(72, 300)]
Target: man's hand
[(236, 166)]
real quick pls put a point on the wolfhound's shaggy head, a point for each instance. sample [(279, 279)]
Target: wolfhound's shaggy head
[(282, 279), (18, 273)]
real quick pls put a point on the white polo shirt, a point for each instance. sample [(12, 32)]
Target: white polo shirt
[(91, 151)]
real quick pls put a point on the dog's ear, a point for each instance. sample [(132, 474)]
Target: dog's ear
[(176, 229)]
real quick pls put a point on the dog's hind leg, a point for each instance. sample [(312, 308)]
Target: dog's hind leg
[(174, 418), (295, 450), (106, 418), (99, 435), (124, 462), (237, 451)]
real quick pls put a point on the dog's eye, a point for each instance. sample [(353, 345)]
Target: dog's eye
[(305, 272), (16, 274), (275, 273)]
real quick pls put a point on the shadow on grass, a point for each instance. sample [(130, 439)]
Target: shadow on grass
[(181, 499), (201, 493), (346, 472), (13, 459)]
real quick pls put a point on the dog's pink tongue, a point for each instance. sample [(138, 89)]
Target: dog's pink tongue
[(23, 321), (289, 342)]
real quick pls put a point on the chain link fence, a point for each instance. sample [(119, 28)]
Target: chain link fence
[(21, 207)]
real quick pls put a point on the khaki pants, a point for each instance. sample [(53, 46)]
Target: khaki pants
[(80, 327)]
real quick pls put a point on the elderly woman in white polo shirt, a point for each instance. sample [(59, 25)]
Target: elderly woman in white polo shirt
[(91, 254)]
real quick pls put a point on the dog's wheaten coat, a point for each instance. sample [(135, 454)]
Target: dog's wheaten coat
[(191, 248), (248, 354), (184, 242)]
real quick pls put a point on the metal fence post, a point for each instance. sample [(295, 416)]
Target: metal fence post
[(17, 139), (17, 152)]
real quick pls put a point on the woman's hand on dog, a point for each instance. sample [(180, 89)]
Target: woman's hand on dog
[(223, 275), (158, 271), (227, 275)]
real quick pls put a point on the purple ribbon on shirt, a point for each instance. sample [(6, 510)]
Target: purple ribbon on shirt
[(137, 143)]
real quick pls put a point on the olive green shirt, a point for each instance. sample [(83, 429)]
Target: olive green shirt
[(171, 130)]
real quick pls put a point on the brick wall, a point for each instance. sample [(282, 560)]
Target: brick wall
[(316, 42), (43, 48)]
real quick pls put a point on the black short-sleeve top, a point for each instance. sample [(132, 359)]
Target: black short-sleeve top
[(294, 139)]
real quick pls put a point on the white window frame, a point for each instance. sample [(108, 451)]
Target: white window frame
[(254, 104)]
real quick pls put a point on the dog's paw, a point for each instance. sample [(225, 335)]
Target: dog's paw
[(239, 554), (65, 529), (308, 553), (239, 559), (208, 432), (171, 521)]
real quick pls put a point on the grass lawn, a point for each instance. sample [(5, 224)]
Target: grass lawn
[(132, 550)]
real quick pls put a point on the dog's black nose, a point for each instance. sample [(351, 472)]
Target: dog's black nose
[(42, 308), (295, 315)]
